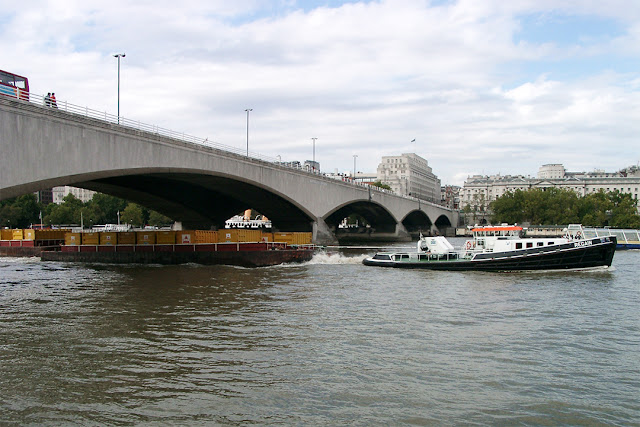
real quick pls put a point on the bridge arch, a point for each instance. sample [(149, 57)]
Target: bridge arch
[(417, 222), (376, 215), (442, 223), (201, 199)]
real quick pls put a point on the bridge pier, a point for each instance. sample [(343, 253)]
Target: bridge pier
[(322, 235), (402, 234)]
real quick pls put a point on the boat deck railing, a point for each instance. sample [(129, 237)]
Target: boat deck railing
[(623, 236)]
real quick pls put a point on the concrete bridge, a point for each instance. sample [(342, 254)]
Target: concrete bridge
[(195, 183)]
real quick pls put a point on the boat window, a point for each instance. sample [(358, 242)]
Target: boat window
[(529, 244), (540, 243), (404, 256), (550, 243), (518, 245)]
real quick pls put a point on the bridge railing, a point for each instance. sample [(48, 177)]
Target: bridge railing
[(45, 102)]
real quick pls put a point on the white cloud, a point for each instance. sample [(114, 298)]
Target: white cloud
[(365, 78)]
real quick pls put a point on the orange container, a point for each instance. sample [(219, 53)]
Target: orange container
[(91, 238), (72, 239), (50, 234), (302, 238), (127, 238), (145, 237), (249, 236), (108, 238), (6, 234), (283, 237), (166, 237), (185, 237), (228, 235)]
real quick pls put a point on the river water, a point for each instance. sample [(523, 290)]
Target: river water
[(329, 342)]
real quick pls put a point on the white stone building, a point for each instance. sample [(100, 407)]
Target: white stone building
[(59, 193), (409, 175), (480, 190)]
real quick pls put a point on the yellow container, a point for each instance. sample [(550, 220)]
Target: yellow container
[(245, 236), (50, 234), (266, 237), (283, 237), (17, 234), (145, 237), (6, 234), (72, 239), (228, 235), (127, 238), (28, 234), (91, 238), (166, 237), (108, 238), (302, 238), (185, 237)]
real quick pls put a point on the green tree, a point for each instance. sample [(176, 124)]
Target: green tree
[(133, 215), (159, 220), (108, 206), (20, 212), (379, 184), (61, 215), (562, 206), (68, 212), (624, 212)]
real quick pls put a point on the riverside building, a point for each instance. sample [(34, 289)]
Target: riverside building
[(59, 193), (409, 175), (480, 190)]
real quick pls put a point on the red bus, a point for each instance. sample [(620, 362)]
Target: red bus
[(14, 85)]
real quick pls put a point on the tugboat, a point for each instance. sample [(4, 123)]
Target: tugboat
[(504, 248)]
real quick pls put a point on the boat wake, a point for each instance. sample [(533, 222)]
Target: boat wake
[(335, 258)]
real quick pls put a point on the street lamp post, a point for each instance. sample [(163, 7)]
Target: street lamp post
[(247, 110), (119, 55), (314, 153), (354, 167)]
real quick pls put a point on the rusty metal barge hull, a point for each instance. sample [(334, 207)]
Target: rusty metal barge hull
[(207, 254)]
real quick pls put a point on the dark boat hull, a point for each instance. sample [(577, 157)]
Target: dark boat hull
[(240, 258), (592, 253)]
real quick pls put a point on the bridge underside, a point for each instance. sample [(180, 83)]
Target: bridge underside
[(376, 216), (201, 201)]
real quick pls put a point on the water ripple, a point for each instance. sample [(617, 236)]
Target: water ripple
[(326, 342)]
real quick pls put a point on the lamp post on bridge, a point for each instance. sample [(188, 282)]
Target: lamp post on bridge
[(355, 156), (247, 110), (314, 153), (119, 55)]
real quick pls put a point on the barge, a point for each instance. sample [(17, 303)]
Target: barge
[(504, 248), (246, 248), (241, 254)]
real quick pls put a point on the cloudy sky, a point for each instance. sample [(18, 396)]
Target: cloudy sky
[(483, 86)]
